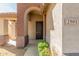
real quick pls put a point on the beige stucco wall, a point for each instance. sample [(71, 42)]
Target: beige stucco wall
[(49, 23), (1, 27), (32, 26), (56, 35), (54, 28), (3, 32), (5, 27), (70, 31)]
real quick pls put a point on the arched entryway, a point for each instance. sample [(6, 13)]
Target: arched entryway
[(33, 24), (29, 20), (34, 28)]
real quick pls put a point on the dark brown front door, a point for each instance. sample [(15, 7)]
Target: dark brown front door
[(39, 30)]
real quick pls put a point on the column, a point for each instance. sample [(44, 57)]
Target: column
[(21, 31)]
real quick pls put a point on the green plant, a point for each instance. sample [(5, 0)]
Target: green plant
[(43, 48), (42, 45), (45, 52)]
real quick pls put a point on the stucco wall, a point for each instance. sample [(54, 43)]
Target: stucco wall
[(3, 32), (70, 31), (56, 35), (54, 28), (1, 27), (5, 27), (32, 26)]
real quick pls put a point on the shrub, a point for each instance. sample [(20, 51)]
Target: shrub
[(43, 48), (42, 45), (45, 52)]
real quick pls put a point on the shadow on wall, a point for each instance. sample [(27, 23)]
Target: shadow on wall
[(49, 22)]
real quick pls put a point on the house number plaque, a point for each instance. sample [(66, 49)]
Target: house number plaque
[(71, 20)]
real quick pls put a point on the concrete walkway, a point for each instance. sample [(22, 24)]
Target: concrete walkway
[(31, 49), (11, 50)]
